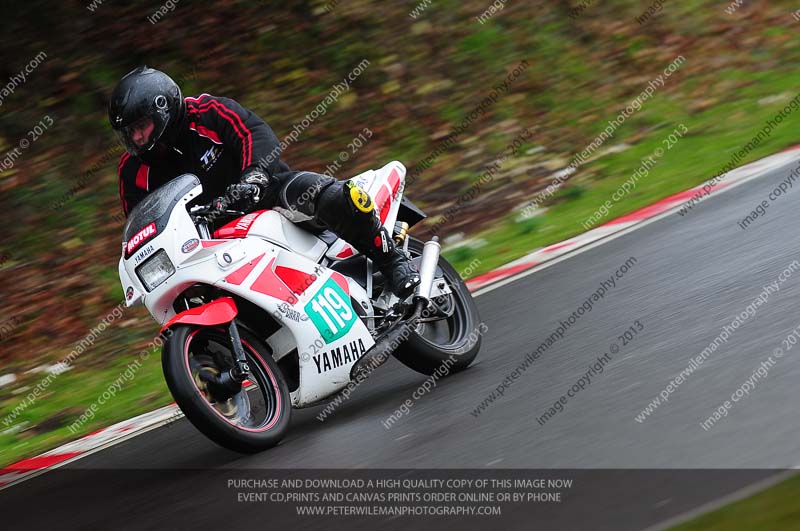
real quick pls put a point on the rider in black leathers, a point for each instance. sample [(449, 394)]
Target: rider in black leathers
[(236, 155)]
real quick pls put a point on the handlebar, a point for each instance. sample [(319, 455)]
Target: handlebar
[(219, 206), (204, 215), (210, 208), (210, 211)]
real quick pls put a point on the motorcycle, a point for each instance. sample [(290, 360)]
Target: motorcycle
[(261, 316)]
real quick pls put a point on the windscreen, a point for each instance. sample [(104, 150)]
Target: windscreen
[(156, 207)]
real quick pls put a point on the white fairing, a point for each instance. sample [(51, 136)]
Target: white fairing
[(274, 264), (275, 228), (133, 294)]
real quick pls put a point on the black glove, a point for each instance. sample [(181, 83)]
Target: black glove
[(260, 179), (242, 196)]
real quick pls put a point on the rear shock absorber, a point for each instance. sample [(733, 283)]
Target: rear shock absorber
[(400, 232)]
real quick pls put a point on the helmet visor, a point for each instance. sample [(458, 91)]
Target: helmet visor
[(141, 135)]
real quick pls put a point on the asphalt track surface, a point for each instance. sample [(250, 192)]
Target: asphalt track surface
[(692, 276)]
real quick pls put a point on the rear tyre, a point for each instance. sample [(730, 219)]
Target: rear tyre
[(253, 419), (449, 345)]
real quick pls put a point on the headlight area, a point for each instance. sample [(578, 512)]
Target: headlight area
[(155, 270)]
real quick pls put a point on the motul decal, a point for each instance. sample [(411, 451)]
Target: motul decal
[(141, 237)]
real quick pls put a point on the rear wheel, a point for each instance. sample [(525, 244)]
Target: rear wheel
[(251, 419), (449, 344)]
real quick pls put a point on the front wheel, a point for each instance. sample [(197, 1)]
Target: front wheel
[(250, 420), (450, 344)]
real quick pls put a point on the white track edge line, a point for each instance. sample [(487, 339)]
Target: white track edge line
[(614, 235), (113, 442)]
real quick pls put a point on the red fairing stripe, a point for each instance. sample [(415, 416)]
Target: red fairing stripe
[(238, 276), (346, 252), (295, 280), (140, 237), (270, 284), (214, 313), (339, 279), (238, 228), (211, 243), (383, 201), (394, 181)]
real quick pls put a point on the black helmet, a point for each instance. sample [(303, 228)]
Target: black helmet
[(145, 97)]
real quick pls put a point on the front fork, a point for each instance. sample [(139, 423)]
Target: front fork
[(229, 383), (240, 366)]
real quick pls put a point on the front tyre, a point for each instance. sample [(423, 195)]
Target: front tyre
[(254, 418), (448, 345)]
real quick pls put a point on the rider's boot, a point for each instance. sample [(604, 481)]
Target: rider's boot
[(361, 227), (391, 261)]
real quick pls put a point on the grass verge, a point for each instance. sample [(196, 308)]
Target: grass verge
[(714, 135), (775, 509), (45, 423)]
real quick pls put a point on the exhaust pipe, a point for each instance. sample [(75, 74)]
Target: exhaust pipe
[(383, 348), (427, 267)]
